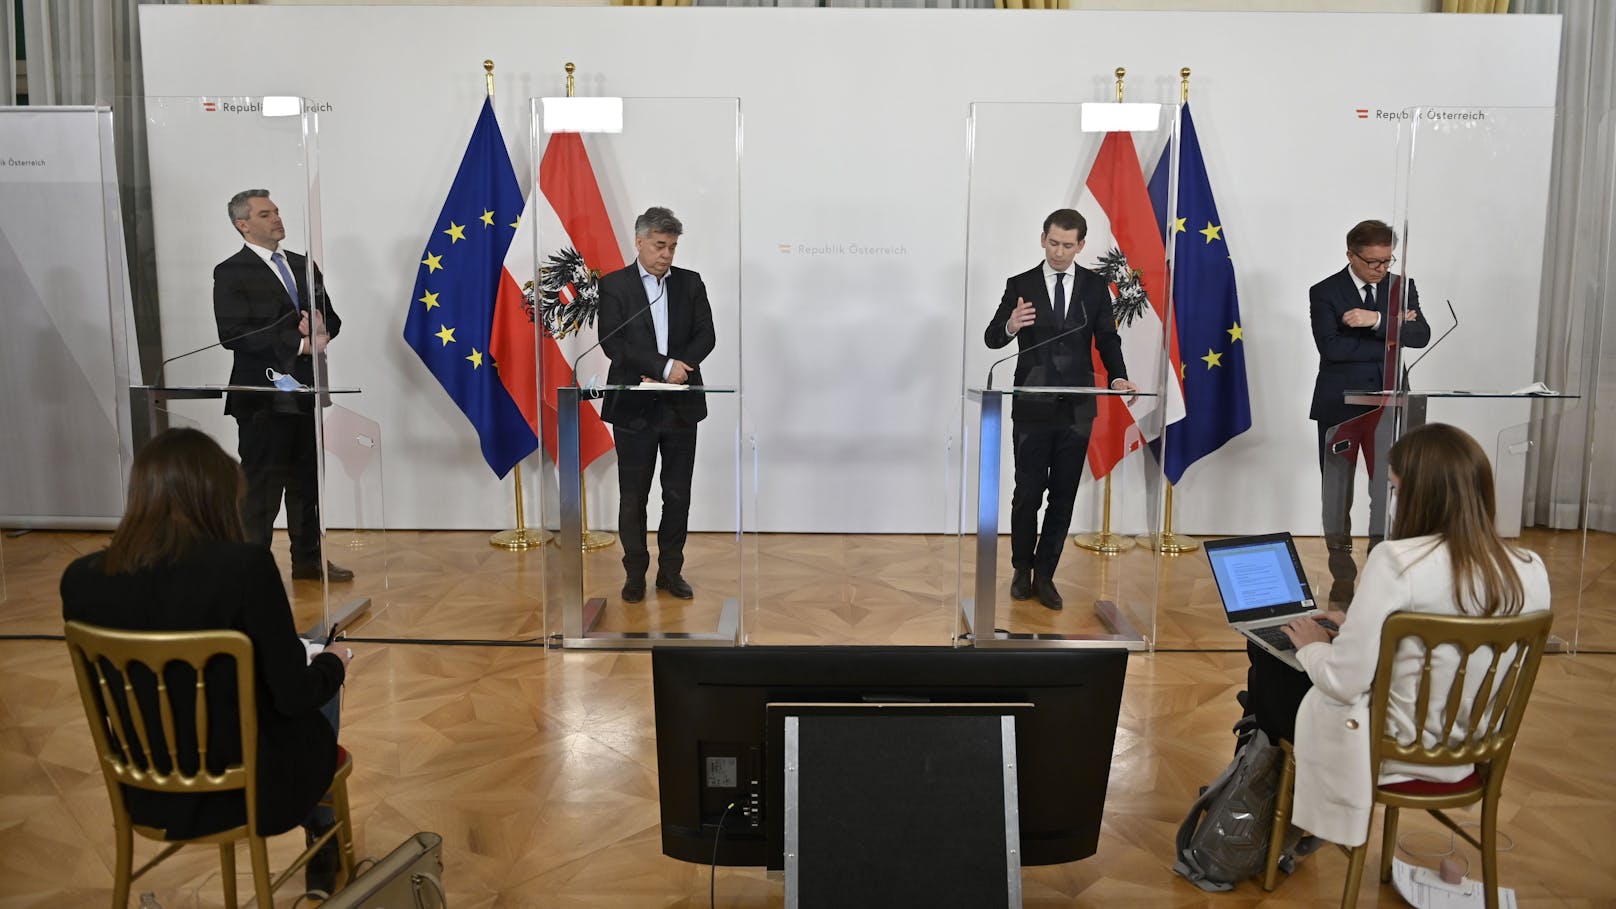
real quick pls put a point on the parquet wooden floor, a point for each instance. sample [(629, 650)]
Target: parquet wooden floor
[(539, 766)]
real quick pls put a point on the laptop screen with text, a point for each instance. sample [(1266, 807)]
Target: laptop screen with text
[(1259, 577)]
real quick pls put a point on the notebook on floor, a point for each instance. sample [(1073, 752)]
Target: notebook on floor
[(1262, 585)]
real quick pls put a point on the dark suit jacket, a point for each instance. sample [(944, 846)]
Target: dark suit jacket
[(1353, 359), (633, 350), (1067, 362), (247, 296), (232, 586)]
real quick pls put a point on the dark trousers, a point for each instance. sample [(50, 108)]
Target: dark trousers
[(1049, 457), (637, 451), (278, 457), (1274, 693)]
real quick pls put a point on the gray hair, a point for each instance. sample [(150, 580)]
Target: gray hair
[(657, 220), (238, 207)]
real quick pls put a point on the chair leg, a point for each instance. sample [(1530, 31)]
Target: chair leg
[(1388, 844), (1282, 818), (1489, 848), (345, 831), (1349, 896), (123, 867), (263, 884), (227, 868)]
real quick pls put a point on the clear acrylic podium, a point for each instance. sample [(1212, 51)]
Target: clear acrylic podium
[(981, 607), (580, 614)]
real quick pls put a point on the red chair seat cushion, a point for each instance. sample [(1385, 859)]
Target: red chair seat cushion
[(1427, 787)]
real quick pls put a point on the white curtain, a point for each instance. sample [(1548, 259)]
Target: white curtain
[(1576, 343)]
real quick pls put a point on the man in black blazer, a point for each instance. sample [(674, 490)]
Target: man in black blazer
[(1051, 434), (656, 326), (262, 305), (1348, 312)]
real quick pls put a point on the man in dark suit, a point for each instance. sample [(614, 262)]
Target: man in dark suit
[(262, 305), (1348, 312), (656, 326), (1051, 435)]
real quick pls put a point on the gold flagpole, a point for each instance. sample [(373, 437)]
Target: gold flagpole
[(521, 538), (593, 540), (1105, 541), (1167, 542)]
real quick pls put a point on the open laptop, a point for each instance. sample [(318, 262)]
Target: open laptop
[(1263, 586)]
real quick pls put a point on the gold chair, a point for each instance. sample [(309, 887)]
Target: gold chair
[(1510, 649), (135, 749)]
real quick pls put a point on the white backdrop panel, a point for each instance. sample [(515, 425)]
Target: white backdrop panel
[(854, 191)]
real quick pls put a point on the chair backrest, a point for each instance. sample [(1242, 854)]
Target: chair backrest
[(146, 695), (1475, 676)]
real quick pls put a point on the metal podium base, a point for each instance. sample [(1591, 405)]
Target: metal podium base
[(1123, 633), (727, 635)]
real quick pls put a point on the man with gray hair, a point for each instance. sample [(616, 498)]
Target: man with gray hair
[(656, 326), (268, 317)]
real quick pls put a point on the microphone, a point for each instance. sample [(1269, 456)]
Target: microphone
[(661, 292), (1410, 367), (246, 334), (1032, 348)]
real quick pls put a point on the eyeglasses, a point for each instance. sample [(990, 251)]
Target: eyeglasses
[(1375, 263)]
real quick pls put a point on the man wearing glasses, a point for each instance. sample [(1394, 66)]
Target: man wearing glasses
[(1348, 312)]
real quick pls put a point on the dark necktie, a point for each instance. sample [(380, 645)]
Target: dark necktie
[(1060, 298), (1369, 298)]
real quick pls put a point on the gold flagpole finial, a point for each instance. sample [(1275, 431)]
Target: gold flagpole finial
[(1184, 85), (488, 74), (571, 85), (1120, 73)]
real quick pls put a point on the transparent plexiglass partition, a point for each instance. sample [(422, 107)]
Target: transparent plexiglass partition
[(64, 360), (600, 163), (1028, 160), (1505, 361), (249, 346)]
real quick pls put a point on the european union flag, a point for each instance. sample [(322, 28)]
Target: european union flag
[(452, 307), (1211, 339)]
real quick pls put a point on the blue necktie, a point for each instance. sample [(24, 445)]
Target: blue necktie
[(1060, 298), (286, 278)]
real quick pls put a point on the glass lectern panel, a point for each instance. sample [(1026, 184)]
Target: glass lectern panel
[(1507, 359), (1047, 425), (64, 360), (605, 328), (235, 311)]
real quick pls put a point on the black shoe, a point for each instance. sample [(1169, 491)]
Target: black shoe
[(1047, 594), (675, 585), (320, 874), (633, 590), (1021, 585), (333, 572)]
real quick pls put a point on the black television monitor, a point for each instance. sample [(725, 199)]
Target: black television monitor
[(714, 749)]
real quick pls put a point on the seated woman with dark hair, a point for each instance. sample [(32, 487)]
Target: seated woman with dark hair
[(1444, 557), (178, 561)]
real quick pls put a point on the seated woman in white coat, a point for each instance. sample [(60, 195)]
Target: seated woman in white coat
[(1444, 556)]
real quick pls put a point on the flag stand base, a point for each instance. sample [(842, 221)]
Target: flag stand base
[(596, 540), (519, 540), (1104, 542), (1169, 543)]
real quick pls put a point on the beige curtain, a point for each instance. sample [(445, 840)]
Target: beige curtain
[(1475, 6)]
